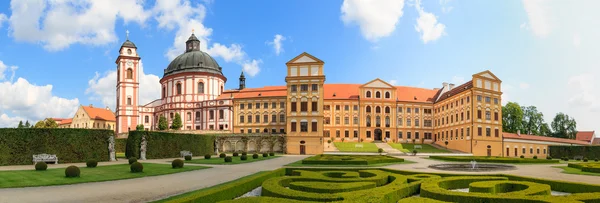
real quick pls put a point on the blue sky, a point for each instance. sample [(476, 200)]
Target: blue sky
[(56, 55)]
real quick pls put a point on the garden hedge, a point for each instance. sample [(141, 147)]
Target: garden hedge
[(168, 145), (17, 145), (591, 152), (325, 159), (486, 159), (586, 167), (120, 145)]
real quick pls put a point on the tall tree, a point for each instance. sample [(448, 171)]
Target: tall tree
[(162, 123), (27, 125), (46, 123), (20, 124), (545, 130), (532, 120), (564, 126), (177, 124), (512, 117)]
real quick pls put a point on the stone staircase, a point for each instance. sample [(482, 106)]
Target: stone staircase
[(389, 149)]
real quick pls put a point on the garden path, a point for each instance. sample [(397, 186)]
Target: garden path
[(389, 149)]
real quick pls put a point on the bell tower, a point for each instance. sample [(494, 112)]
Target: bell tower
[(128, 63), (242, 81)]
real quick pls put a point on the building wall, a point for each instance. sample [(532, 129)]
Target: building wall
[(247, 110), (82, 120), (527, 149)]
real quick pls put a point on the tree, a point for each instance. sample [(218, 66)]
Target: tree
[(564, 126), (162, 123), (176, 122), (545, 130), (27, 125), (139, 127), (532, 120), (20, 124), (46, 123), (512, 117)]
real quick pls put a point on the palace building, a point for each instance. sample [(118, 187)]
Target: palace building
[(465, 117)]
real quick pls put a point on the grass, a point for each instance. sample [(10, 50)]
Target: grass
[(235, 160), (31, 178), (351, 147), (426, 148), (299, 164), (569, 170)]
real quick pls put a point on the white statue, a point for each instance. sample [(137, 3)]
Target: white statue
[(111, 148), (143, 148)]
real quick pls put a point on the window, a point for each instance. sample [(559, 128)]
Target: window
[(495, 100), (347, 134), (293, 88), (346, 120), (197, 115), (468, 99), (200, 88), (313, 126), (178, 86), (488, 115), (265, 118), (407, 110), (265, 105), (531, 150), (544, 151), (417, 122), (189, 116), (368, 134), (496, 132), (487, 99), (249, 119), (462, 118), (496, 116), (407, 122), (257, 119), (377, 121), (407, 135), (416, 110), (377, 94), (293, 106), (303, 87), (326, 133), (488, 132), (326, 107), (337, 107), (273, 118), (346, 108), (327, 120), (303, 126), (293, 126), (399, 121), (387, 121), (147, 119), (368, 94), (337, 120), (400, 135), (387, 95), (468, 131), (524, 151), (314, 106), (478, 114), (128, 101), (249, 106), (242, 106), (468, 115), (303, 106), (399, 109), (129, 73), (281, 118), (282, 105), (315, 87), (427, 123), (221, 113), (273, 105), (368, 109), (241, 119), (538, 150), (416, 135), (355, 107), (356, 134), (164, 92), (337, 133), (377, 109), (355, 120), (479, 131), (387, 109), (368, 121)]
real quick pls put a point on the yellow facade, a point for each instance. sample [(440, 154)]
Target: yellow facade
[(260, 115), (93, 118)]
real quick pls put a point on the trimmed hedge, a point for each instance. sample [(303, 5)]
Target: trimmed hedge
[(492, 159), (70, 145), (510, 187), (572, 151), (168, 145), (325, 159), (72, 172), (586, 167), (120, 145)]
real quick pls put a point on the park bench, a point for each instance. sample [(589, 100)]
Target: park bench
[(418, 147), (45, 158), (185, 153)]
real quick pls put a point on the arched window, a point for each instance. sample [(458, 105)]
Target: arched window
[(368, 109), (368, 94), (164, 92), (129, 101), (178, 88), (200, 88), (377, 94), (377, 121), (387, 121), (387, 95), (387, 109), (129, 73), (197, 115), (377, 109)]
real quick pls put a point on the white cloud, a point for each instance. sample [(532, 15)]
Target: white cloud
[(524, 85), (2, 19), (231, 53), (538, 20), (576, 40), (523, 25), (376, 19), (103, 88), (393, 82), (251, 67), (277, 43), (445, 7), (11, 122), (5, 68), (26, 101), (428, 25), (89, 22), (584, 94)]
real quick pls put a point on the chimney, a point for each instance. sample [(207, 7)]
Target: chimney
[(518, 132), (107, 108), (451, 86), (445, 85)]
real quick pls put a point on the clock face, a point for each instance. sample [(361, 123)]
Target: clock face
[(129, 63)]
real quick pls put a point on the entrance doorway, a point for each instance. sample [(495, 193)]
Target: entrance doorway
[(302, 149), (377, 134), (507, 151), (516, 151), (489, 150)]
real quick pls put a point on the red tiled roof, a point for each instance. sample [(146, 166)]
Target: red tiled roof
[(415, 94), (100, 113), (341, 91), (456, 90), (65, 121), (542, 138), (268, 91), (586, 136)]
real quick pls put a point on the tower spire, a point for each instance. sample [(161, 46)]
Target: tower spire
[(242, 81), (127, 34)]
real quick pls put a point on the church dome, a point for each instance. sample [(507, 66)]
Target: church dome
[(128, 44), (193, 60)]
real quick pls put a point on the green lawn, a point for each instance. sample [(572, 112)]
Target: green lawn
[(299, 164), (570, 170), (30, 178), (235, 160), (426, 148), (351, 147)]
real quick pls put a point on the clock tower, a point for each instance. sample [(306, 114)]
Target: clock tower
[(127, 87)]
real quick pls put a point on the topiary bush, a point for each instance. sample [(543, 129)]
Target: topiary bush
[(549, 157), (244, 153), (228, 159), (41, 166), (380, 150), (244, 157), (91, 163), (136, 167), (535, 157), (207, 156), (235, 154), (271, 153), (596, 159), (188, 157), (265, 155), (72, 171), (585, 159), (522, 157), (222, 155), (255, 156), (177, 163), (132, 160), (578, 159)]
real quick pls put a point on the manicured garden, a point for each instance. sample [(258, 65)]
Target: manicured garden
[(30, 178), (326, 159), (492, 159), (582, 168), (232, 158), (425, 148), (386, 185), (356, 146)]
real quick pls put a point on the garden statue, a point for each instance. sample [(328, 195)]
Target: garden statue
[(143, 148), (111, 148)]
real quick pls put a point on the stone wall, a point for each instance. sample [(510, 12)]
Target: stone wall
[(251, 143)]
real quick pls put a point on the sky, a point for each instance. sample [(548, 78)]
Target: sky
[(58, 54)]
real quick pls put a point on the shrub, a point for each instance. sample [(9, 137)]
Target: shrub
[(522, 157), (596, 159), (188, 157), (177, 163), (228, 159), (585, 159), (222, 155), (168, 145), (41, 166), (244, 153), (132, 160), (255, 156), (549, 157), (414, 152), (380, 150), (535, 157), (329, 141), (271, 153), (72, 171), (207, 156), (91, 163), (577, 159), (244, 157), (235, 154), (136, 167), (265, 155)]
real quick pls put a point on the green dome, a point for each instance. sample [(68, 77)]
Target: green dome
[(193, 60)]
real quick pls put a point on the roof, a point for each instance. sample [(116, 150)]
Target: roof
[(456, 90), (543, 138), (65, 121), (586, 136), (128, 43), (100, 113), (267, 91)]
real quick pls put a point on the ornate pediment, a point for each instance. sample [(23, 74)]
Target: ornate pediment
[(305, 58), (377, 83)]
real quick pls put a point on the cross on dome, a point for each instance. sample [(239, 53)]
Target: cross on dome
[(127, 33)]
